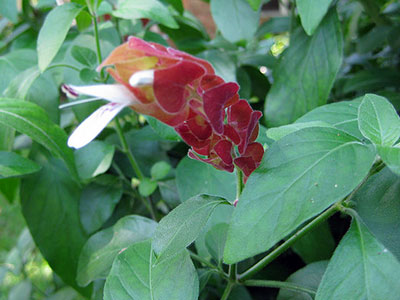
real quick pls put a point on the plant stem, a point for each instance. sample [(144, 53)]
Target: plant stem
[(289, 242), (97, 38), (63, 66), (208, 264), (279, 285), (228, 290), (239, 184), (127, 151)]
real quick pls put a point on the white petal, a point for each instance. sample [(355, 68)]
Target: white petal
[(142, 78), (93, 125), (116, 93)]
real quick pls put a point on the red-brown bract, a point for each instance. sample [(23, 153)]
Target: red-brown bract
[(186, 94)]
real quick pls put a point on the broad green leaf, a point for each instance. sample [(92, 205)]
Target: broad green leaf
[(65, 293), (311, 13), (342, 115), (160, 170), (94, 159), (182, 225), (98, 200), (361, 268), (151, 9), (378, 205), (215, 240), (378, 120), (305, 72), (300, 176), (309, 277), (30, 119), (177, 4), (279, 132), (50, 205), (242, 21), (163, 130), (12, 164), (169, 192), (100, 250), (83, 55), (53, 32), (391, 157), (134, 276), (316, 245), (194, 177), (9, 10)]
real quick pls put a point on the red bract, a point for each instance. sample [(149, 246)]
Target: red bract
[(184, 92)]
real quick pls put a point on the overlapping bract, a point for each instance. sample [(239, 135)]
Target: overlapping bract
[(185, 93)]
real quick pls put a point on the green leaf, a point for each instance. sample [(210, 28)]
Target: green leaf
[(147, 187), (279, 132), (342, 115), (378, 205), (53, 32), (94, 159), (98, 200), (177, 4), (300, 176), (378, 120), (194, 177), (316, 245), (9, 10), (361, 268), (223, 64), (50, 202), (12, 164), (163, 130), (305, 72), (182, 225), (215, 240), (242, 22), (274, 25), (255, 4), (100, 250), (391, 157), (30, 119), (160, 170), (151, 9), (20, 85), (311, 13), (84, 55), (309, 277), (134, 276)]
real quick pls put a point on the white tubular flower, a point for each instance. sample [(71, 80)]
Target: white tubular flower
[(119, 97)]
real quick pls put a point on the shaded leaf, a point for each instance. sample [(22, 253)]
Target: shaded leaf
[(305, 72), (311, 13), (12, 164)]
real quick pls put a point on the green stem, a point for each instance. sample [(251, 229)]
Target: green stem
[(97, 38), (289, 242), (127, 151), (208, 264), (239, 184), (63, 66), (228, 290), (279, 285)]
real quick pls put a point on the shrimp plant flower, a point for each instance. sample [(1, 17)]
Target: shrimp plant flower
[(181, 91)]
